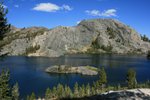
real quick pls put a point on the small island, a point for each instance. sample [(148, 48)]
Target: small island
[(63, 69)]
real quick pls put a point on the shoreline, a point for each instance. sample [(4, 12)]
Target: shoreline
[(71, 54)]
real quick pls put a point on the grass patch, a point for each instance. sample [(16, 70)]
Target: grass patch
[(92, 68)]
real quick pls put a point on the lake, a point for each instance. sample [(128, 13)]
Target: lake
[(31, 77)]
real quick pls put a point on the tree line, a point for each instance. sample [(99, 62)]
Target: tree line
[(145, 38)]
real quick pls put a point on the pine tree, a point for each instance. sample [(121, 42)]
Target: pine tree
[(4, 85), (103, 77), (131, 78), (96, 87), (54, 92), (82, 91), (32, 97), (93, 92), (48, 94), (4, 26), (87, 90), (76, 90), (15, 92), (60, 90), (68, 92)]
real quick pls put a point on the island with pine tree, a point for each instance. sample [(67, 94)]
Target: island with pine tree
[(63, 69)]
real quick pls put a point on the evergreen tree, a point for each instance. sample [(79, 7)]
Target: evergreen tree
[(87, 90), (54, 92), (60, 90), (131, 78), (96, 87), (82, 91), (4, 26), (103, 77), (76, 90), (15, 92), (93, 92), (48, 94), (32, 97), (4, 85), (68, 92)]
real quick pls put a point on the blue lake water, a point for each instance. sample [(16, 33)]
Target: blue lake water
[(31, 77)]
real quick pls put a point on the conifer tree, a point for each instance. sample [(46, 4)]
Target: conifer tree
[(32, 97), (93, 92), (4, 26), (131, 78), (103, 77), (15, 92), (4, 85), (68, 92), (96, 87), (48, 94), (54, 92), (76, 90), (87, 90), (82, 91), (60, 90)]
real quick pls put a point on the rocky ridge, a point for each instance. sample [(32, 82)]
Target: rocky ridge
[(89, 36)]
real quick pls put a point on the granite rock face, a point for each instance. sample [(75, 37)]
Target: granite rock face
[(134, 94), (89, 36)]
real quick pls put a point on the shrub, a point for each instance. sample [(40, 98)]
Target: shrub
[(111, 33), (32, 49)]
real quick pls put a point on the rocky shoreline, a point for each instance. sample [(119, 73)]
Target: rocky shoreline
[(63, 69), (132, 94)]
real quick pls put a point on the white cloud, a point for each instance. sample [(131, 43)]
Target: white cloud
[(93, 12), (17, 6), (109, 13), (46, 7), (66, 7), (50, 7), (106, 13)]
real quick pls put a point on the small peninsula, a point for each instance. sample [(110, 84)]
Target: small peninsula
[(63, 69)]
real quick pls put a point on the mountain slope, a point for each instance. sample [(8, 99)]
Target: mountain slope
[(89, 36)]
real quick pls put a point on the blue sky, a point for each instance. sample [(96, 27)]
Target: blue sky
[(52, 13)]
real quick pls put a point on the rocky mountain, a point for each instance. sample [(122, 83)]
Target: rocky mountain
[(89, 36)]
